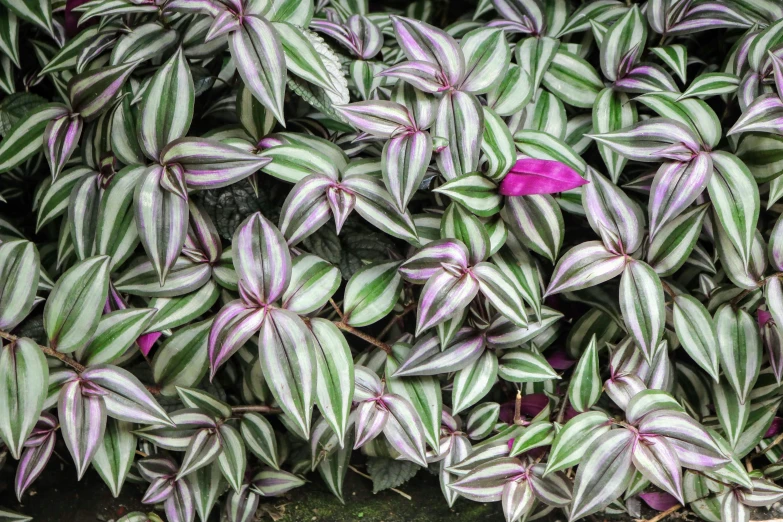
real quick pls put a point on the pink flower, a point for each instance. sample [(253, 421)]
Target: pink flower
[(533, 176)]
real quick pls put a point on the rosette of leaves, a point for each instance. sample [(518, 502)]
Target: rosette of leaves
[(242, 241)]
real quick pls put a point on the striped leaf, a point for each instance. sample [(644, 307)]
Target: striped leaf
[(423, 393), (161, 218), (659, 464), (735, 197), (740, 349), (762, 115), (38, 12), (692, 113), (261, 259), (500, 291), (675, 57), (486, 482), (260, 438), (444, 295), (116, 234), (182, 359), (457, 223), (55, 198), (534, 56), (426, 357), (25, 138), (184, 277), (83, 207), (515, 262), (732, 414), (295, 162), (166, 106), (310, 58), (19, 275), (61, 137), (525, 365), (474, 192), (34, 459), (696, 331), (626, 35), (334, 377), (271, 483), (204, 401), (233, 326), (74, 306), (9, 35), (287, 359), (537, 221), (572, 79), (371, 293), (472, 383), (126, 398), (760, 420), (605, 472), (232, 459), (512, 93), (654, 139), (482, 419), (82, 423), (313, 282), (207, 484), (209, 163), (585, 386), (382, 119), (404, 162), (460, 121), (615, 217), (24, 376), (612, 111), (695, 448), (487, 57), (124, 142), (258, 55), (497, 145), (114, 457), (711, 84), (643, 306), (143, 43), (421, 41), (92, 92), (675, 241), (204, 448), (762, 155), (403, 429), (376, 205), (676, 185), (115, 333), (573, 439), (584, 266), (543, 146), (536, 435)]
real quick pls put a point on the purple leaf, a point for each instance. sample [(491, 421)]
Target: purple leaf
[(126, 397), (233, 326), (535, 176), (425, 263), (658, 501), (262, 260), (82, 422)]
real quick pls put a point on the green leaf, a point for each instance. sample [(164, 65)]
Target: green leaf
[(19, 275), (390, 473), (115, 454), (371, 293), (585, 387), (474, 192), (182, 360)]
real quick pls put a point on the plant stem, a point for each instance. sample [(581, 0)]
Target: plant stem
[(51, 353), (401, 493), (337, 309), (361, 335), (774, 443), (664, 514), (255, 409)]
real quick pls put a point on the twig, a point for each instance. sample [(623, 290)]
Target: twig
[(75, 365), (774, 443), (660, 516), (255, 409), (667, 288), (396, 318), (337, 309), (401, 493), (48, 351), (361, 335)]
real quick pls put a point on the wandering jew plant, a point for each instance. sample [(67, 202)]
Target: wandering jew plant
[(242, 241)]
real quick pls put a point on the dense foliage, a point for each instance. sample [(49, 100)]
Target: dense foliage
[(247, 240)]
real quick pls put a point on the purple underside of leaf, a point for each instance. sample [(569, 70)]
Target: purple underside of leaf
[(534, 176)]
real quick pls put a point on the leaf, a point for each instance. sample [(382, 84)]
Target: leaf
[(313, 282), (473, 382), (207, 484), (115, 333), (696, 331), (500, 291), (287, 359), (657, 461), (482, 419), (675, 241), (525, 365), (572, 79), (486, 56), (740, 349), (389, 473), (711, 84), (232, 460), (584, 266), (258, 54), (116, 234), (604, 474), (94, 91), (497, 145), (732, 414), (485, 483), (371, 293), (585, 387), (38, 12), (260, 438), (612, 214), (335, 376), (24, 376), (261, 259), (114, 457), (538, 223), (73, 308), (166, 106), (676, 185), (460, 121), (19, 276), (404, 163), (628, 34), (444, 295), (642, 305), (421, 41), (25, 138), (125, 397), (735, 198), (82, 423), (573, 440), (380, 118)]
